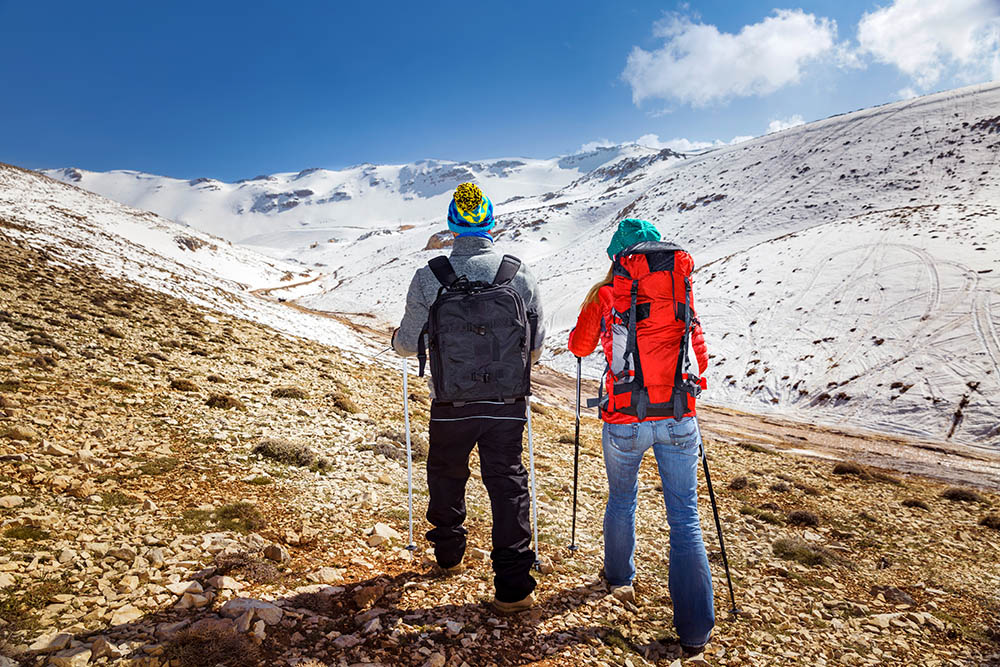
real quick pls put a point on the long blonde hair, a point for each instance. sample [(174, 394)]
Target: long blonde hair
[(592, 295)]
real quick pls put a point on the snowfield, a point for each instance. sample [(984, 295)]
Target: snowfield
[(849, 269)]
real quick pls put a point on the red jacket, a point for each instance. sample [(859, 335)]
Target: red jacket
[(591, 328)]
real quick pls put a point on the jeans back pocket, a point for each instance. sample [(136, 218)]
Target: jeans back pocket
[(623, 436)]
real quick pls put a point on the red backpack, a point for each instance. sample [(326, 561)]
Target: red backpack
[(649, 371)]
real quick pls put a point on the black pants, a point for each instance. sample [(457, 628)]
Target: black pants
[(498, 429)]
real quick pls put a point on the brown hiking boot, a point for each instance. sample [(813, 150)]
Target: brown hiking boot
[(458, 568), (514, 607), (624, 593)]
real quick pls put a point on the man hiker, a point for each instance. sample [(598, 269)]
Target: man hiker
[(480, 352)]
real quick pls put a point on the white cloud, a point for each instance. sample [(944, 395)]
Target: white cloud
[(907, 93), (699, 65), (779, 124), (927, 38), (594, 145), (685, 145)]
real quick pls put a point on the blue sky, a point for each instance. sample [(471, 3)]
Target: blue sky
[(234, 89)]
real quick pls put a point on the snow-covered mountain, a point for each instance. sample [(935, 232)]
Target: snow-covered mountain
[(849, 268), (279, 211)]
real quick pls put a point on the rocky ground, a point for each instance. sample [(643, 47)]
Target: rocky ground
[(179, 487)]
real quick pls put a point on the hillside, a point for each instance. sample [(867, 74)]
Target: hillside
[(140, 524), (157, 253), (848, 268)]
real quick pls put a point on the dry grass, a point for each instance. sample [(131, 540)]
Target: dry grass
[(241, 517), (539, 409), (212, 647), (803, 518), (851, 468), (342, 401), (292, 453), (881, 476), (248, 565), (18, 606), (111, 332), (289, 392), (26, 533), (962, 495), (754, 447), (224, 402), (183, 384), (739, 483), (159, 466), (418, 442), (807, 489), (764, 515), (800, 551)]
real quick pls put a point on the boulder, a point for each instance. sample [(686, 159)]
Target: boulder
[(74, 657), (126, 614), (51, 643), (265, 611), (182, 587), (9, 502), (277, 553)]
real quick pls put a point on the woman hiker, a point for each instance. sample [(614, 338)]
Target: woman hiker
[(645, 409)]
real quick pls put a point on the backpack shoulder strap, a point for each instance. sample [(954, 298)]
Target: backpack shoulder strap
[(509, 267), (442, 270)]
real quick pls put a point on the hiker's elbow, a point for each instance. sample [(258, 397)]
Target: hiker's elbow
[(400, 347)]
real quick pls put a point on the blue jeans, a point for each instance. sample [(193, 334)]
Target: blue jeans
[(676, 445)]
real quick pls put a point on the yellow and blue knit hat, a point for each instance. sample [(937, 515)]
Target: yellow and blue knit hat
[(470, 212)]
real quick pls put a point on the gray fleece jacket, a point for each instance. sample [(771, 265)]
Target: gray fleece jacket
[(473, 257)]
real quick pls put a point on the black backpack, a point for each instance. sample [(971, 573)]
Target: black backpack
[(479, 335)]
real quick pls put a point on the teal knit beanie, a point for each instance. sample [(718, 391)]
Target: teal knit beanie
[(631, 231)]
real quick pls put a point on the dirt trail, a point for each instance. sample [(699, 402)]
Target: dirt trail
[(938, 460), (266, 291), (943, 461)]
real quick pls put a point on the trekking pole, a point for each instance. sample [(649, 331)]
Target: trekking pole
[(531, 467), (576, 452), (409, 453), (718, 527)]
